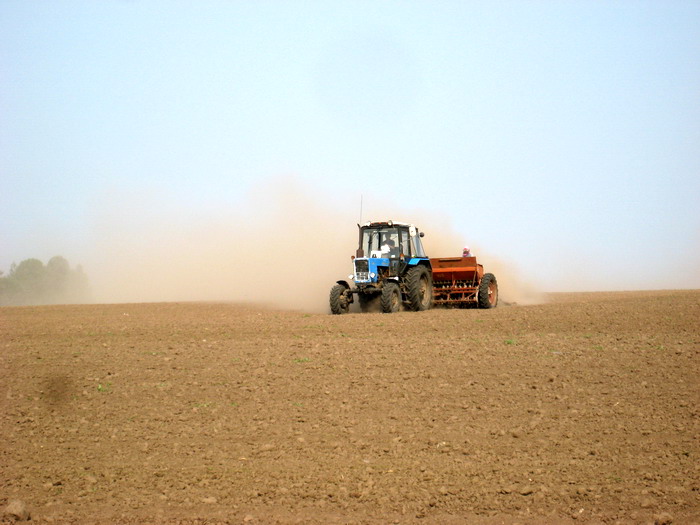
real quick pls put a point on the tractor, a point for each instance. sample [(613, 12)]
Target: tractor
[(391, 271)]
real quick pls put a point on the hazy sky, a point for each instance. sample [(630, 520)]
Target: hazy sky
[(560, 136)]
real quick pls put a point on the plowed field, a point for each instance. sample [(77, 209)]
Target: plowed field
[(582, 410)]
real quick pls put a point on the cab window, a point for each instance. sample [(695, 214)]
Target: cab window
[(417, 247), (406, 243)]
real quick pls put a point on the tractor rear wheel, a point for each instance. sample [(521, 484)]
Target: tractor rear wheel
[(391, 298), (419, 286), (488, 291), (339, 300)]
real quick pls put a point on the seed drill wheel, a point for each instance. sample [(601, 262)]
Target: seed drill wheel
[(391, 298), (488, 291), (419, 286), (339, 300)]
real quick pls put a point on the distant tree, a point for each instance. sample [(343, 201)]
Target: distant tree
[(78, 286), (31, 282), (57, 277), (7, 290), (58, 265), (30, 276)]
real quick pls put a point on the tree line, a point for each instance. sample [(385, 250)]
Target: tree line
[(32, 282)]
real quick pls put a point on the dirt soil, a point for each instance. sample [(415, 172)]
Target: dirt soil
[(582, 410)]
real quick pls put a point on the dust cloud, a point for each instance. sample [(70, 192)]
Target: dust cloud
[(443, 240), (284, 247), (513, 288)]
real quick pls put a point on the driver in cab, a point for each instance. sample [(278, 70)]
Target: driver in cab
[(389, 247)]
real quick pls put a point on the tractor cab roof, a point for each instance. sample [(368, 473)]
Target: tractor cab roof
[(385, 224)]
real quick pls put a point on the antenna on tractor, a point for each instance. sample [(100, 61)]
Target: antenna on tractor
[(360, 208)]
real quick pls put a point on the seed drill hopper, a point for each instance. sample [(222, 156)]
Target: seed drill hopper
[(461, 282)]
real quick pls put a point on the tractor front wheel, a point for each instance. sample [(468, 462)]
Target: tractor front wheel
[(419, 288), (339, 300), (391, 298), (488, 291)]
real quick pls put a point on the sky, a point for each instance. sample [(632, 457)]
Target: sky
[(559, 139)]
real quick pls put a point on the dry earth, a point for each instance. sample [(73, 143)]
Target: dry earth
[(582, 410)]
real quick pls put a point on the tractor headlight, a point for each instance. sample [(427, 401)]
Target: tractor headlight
[(372, 275), (351, 276)]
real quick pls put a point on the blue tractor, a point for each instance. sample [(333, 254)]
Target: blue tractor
[(390, 270)]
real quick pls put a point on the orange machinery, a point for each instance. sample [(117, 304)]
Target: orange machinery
[(461, 282)]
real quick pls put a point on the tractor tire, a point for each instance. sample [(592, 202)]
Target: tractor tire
[(338, 300), (419, 288), (391, 298), (369, 302), (488, 291)]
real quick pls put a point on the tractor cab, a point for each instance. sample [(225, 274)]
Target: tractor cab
[(386, 250), (390, 240)]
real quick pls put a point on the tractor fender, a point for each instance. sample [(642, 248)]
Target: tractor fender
[(349, 291), (419, 261)]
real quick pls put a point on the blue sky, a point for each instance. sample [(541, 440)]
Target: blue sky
[(561, 137)]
